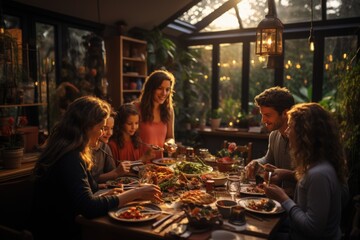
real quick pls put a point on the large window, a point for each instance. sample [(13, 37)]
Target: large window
[(298, 65), (230, 67)]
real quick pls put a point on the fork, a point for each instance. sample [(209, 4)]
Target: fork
[(269, 177), (152, 146)]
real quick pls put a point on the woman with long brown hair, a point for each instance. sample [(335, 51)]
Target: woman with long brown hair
[(64, 186), (320, 169)]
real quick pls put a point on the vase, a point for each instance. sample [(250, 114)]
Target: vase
[(12, 157)]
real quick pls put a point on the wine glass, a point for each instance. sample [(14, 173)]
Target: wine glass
[(233, 186)]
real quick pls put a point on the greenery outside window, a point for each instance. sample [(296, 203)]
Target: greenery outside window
[(298, 65)]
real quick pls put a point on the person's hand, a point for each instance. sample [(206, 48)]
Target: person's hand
[(250, 169), (170, 146), (150, 192), (279, 175), (123, 168), (275, 192)]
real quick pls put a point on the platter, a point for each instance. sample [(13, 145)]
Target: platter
[(251, 189), (122, 181), (192, 169), (164, 161), (256, 204), (136, 213)]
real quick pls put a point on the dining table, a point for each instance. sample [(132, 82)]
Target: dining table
[(258, 226)]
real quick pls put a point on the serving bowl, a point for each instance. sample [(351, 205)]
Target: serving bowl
[(224, 207), (219, 178), (225, 164)]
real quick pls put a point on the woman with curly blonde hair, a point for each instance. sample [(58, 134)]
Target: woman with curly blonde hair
[(320, 169)]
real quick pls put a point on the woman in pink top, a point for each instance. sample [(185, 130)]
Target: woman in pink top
[(157, 112), (125, 142)]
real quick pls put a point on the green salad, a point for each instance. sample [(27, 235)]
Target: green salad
[(192, 167)]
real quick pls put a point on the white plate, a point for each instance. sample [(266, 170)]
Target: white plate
[(245, 201), (124, 181), (164, 161), (223, 234), (244, 189), (149, 206)]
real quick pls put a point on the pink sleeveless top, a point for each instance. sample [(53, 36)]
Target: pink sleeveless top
[(153, 133), (127, 153)]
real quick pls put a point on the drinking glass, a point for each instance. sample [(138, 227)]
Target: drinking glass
[(233, 186)]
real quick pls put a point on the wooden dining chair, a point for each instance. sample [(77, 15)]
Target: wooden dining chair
[(246, 150)]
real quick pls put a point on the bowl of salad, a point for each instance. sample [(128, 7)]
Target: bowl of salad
[(193, 169)]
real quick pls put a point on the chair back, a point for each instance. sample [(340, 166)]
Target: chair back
[(15, 205), (246, 150)]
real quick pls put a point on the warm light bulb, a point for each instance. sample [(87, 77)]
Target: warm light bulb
[(312, 46)]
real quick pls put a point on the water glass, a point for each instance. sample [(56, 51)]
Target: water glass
[(233, 186)]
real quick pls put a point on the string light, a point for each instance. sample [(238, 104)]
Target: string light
[(311, 37)]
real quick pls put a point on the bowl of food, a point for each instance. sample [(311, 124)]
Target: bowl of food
[(225, 164), (219, 178), (224, 207), (202, 217)]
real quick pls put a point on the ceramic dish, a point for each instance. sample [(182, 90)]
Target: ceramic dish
[(133, 210), (249, 202), (122, 181), (164, 161), (251, 189)]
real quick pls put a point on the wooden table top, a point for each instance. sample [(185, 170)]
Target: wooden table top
[(107, 228)]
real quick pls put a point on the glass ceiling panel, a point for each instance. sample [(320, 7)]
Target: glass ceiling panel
[(336, 9), (201, 10), (227, 21), (296, 11)]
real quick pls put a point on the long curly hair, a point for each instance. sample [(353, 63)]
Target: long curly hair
[(153, 81), (317, 138), (122, 115), (71, 133)]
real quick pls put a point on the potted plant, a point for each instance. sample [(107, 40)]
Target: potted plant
[(13, 151), (215, 118)]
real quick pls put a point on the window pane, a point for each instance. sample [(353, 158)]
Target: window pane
[(45, 43), (201, 10), (227, 21), (298, 65), (342, 9), (294, 11), (84, 64), (337, 52), (201, 79), (260, 78), (230, 69)]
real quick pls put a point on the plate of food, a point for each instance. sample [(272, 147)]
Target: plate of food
[(252, 189), (192, 169), (136, 213), (219, 178), (197, 197), (122, 181), (261, 205), (164, 161)]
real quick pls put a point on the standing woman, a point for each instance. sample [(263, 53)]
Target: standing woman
[(156, 110), (318, 157), (64, 185)]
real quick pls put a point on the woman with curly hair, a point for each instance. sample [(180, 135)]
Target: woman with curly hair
[(64, 186), (156, 110), (320, 169)]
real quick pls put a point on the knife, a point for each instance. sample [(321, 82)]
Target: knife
[(156, 224), (169, 221)]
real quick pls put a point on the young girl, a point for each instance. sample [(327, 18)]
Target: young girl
[(104, 164), (125, 142), (157, 112)]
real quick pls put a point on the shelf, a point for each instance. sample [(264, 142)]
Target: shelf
[(137, 59), (133, 75), (23, 105), (131, 91)]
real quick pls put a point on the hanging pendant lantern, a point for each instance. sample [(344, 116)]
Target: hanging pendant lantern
[(269, 39)]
